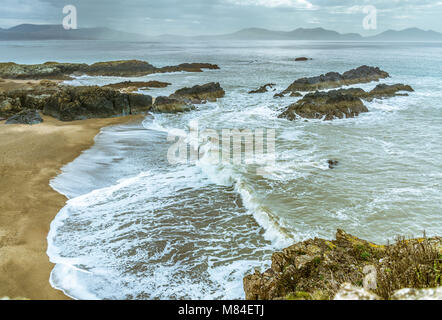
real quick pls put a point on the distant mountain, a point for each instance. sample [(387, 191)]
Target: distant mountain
[(57, 32), (411, 34), (297, 34)]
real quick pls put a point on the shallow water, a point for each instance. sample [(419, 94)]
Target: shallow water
[(138, 227)]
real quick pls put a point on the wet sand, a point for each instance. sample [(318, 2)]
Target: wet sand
[(30, 156)]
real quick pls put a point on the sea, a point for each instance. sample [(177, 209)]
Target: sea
[(140, 226)]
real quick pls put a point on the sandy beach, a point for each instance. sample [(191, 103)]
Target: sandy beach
[(30, 156)]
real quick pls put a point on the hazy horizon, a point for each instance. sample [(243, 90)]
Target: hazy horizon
[(200, 17)]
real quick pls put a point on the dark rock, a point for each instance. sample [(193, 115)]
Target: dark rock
[(385, 91), (199, 93), (327, 105), (131, 86), (278, 95), (330, 80), (262, 89), (78, 103), (302, 59), (25, 117), (295, 94), (332, 163), (171, 105)]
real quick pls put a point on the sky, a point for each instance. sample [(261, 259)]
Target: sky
[(199, 17)]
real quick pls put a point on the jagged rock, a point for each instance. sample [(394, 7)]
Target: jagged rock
[(25, 117), (382, 91), (131, 86), (317, 268), (64, 71), (331, 80), (328, 105), (262, 89), (200, 93), (78, 103), (170, 105), (351, 292)]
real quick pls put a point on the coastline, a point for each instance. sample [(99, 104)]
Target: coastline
[(30, 157)]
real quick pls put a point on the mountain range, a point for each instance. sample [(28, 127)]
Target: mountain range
[(57, 32)]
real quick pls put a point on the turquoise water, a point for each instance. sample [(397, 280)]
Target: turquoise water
[(137, 227)]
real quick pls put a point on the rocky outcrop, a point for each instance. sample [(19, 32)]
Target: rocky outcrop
[(78, 103), (317, 268), (25, 117), (200, 93), (64, 71), (331, 80), (381, 91), (132, 86), (171, 105), (325, 105), (188, 67), (263, 88)]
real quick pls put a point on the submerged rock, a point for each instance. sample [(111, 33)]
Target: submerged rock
[(331, 80), (263, 88), (200, 93), (302, 59), (25, 117), (317, 268), (325, 105), (332, 163)]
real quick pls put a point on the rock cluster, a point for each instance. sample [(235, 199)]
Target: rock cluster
[(341, 103), (325, 105), (317, 268), (78, 103), (185, 98), (64, 71), (331, 80)]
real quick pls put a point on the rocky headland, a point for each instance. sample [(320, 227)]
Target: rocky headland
[(69, 103), (319, 269), (65, 71)]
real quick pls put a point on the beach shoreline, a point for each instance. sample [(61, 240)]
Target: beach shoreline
[(30, 156)]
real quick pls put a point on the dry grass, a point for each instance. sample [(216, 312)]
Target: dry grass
[(409, 264)]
